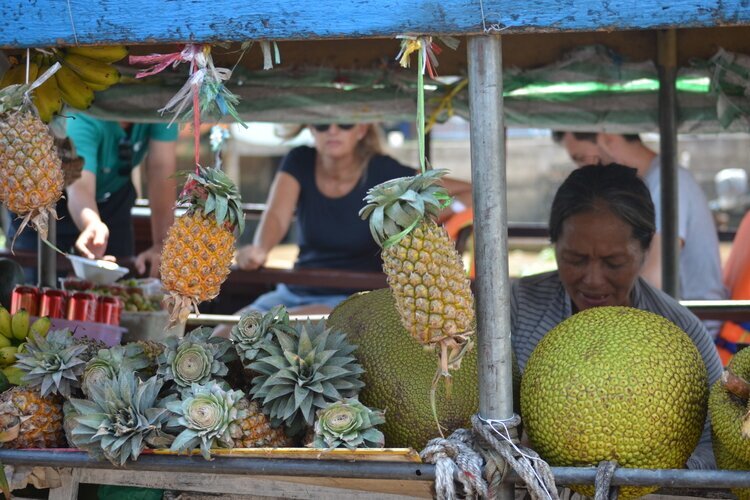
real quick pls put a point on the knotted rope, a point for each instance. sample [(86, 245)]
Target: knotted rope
[(454, 457), (492, 443)]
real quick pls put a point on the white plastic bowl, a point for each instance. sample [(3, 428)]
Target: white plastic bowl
[(100, 272)]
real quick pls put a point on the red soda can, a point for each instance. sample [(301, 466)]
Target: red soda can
[(82, 307), (108, 310), (53, 303), (25, 297)]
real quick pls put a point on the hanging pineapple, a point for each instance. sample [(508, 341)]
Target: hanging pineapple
[(424, 270), (31, 177), (199, 247)]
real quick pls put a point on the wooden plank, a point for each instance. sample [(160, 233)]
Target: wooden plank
[(69, 488), (50, 22), (273, 486), (360, 454)]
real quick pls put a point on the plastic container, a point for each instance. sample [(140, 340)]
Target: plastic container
[(109, 334), (100, 272), (148, 325)]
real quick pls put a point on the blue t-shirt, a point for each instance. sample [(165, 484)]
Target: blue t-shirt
[(331, 235)]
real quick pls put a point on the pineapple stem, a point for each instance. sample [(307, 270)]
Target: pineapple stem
[(420, 103), (433, 400)]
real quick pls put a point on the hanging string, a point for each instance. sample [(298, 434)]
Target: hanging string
[(196, 119), (72, 22)]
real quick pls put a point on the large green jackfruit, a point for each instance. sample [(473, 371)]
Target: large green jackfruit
[(615, 383), (732, 451), (399, 372), (725, 460)]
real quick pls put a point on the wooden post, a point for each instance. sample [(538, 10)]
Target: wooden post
[(490, 230)]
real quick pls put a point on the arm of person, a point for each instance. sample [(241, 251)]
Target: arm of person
[(92, 241), (160, 163), (651, 270), (461, 193), (274, 223)]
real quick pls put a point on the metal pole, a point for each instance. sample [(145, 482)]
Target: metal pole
[(47, 258), (670, 250), (490, 229)]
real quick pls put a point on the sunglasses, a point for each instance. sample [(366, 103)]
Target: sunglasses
[(323, 127)]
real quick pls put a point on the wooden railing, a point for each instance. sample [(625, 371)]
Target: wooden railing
[(239, 282)]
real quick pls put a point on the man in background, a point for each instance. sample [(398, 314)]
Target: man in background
[(95, 218), (700, 262)]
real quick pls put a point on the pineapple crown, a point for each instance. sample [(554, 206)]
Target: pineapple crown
[(204, 416), (196, 358), (122, 416), (348, 423), (211, 191), (255, 328), (108, 363), (52, 363), (395, 207), (13, 97), (298, 374)]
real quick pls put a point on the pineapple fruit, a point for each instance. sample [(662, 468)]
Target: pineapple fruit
[(28, 420), (424, 270), (255, 431), (199, 247), (31, 176)]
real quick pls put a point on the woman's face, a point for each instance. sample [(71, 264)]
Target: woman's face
[(598, 259), (337, 142)]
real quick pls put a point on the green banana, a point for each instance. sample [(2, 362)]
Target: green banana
[(17, 74), (73, 90), (5, 341), (92, 70), (40, 326), (5, 328), (14, 374), (8, 355), (19, 323), (104, 53)]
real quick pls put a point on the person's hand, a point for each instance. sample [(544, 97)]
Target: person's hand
[(151, 259), (92, 242), (251, 257)]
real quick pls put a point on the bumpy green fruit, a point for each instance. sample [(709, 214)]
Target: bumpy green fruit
[(399, 372), (615, 383)]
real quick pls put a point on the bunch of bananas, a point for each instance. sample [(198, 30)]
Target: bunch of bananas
[(83, 71), (14, 329)]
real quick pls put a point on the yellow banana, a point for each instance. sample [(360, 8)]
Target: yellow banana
[(19, 323), (47, 98), (40, 326), (8, 355), (5, 341), (14, 374), (5, 328), (104, 53), (92, 70), (74, 91)]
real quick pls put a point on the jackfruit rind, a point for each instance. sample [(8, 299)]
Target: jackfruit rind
[(727, 411), (399, 372), (615, 383), (725, 460)]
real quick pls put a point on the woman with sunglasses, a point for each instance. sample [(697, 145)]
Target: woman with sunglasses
[(325, 186)]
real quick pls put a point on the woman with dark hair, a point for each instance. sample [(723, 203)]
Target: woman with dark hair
[(601, 225), (325, 186)]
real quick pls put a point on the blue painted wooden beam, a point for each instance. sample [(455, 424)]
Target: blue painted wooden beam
[(40, 23)]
